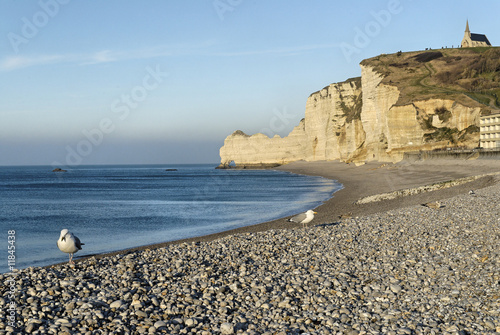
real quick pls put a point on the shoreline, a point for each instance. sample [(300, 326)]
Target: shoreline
[(370, 179)]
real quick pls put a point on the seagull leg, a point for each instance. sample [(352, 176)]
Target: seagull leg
[(71, 259)]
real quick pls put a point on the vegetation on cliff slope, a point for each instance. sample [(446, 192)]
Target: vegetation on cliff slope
[(470, 76), (352, 111)]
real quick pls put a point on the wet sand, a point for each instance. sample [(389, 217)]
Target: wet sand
[(361, 181)]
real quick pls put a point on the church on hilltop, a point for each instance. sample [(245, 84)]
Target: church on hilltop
[(474, 40)]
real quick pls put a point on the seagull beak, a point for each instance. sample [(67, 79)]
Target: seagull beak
[(315, 212)]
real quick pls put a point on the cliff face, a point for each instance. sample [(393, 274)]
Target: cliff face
[(331, 130), (379, 116), (260, 150), (332, 124), (392, 129)]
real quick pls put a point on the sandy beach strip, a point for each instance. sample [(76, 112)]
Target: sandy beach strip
[(377, 178), (383, 267)]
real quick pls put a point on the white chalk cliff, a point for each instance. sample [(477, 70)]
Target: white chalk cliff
[(361, 120)]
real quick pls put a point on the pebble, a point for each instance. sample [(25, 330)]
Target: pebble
[(414, 270), (159, 324), (395, 288), (116, 304), (29, 328), (226, 328)]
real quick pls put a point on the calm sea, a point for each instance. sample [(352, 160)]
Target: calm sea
[(117, 207)]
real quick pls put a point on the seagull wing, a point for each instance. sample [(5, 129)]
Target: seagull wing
[(298, 218), (78, 244)]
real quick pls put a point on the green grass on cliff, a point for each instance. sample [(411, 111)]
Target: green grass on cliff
[(470, 76)]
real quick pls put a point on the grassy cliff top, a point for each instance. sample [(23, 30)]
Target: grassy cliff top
[(470, 76)]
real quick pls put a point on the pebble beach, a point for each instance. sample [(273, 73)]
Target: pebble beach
[(409, 270)]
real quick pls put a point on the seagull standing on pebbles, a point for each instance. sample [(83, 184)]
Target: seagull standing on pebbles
[(69, 244), (303, 218), (433, 205)]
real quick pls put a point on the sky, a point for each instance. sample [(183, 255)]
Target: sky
[(165, 82)]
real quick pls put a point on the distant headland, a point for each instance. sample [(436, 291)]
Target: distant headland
[(403, 102)]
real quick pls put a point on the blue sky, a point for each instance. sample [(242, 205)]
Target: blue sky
[(158, 81)]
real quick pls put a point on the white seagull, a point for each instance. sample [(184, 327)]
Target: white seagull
[(69, 244), (303, 218)]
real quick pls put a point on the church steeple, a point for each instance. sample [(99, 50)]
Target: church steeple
[(474, 40)]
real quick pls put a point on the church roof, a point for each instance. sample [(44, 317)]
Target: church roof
[(479, 38)]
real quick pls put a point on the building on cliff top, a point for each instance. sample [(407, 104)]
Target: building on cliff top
[(474, 40), (490, 131)]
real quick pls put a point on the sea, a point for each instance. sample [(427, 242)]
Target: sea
[(112, 208)]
